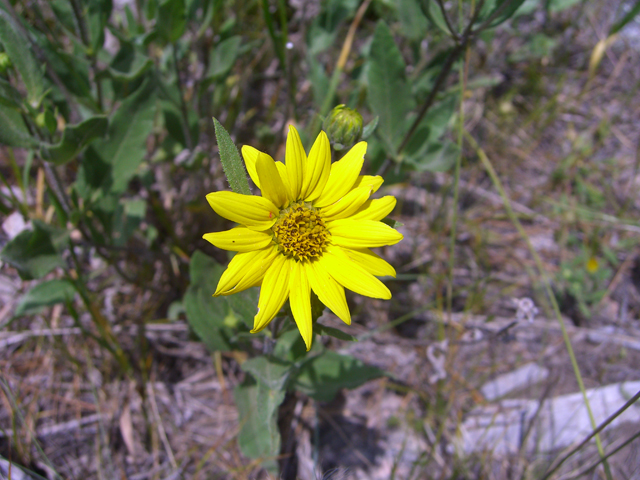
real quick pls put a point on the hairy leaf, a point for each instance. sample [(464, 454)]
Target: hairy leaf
[(231, 163)]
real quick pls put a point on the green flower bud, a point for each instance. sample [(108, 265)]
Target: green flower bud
[(343, 126), (5, 62)]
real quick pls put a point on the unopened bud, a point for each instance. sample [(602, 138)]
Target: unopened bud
[(343, 125)]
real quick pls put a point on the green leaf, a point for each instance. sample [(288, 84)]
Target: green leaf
[(231, 163), (333, 332), (129, 64), (323, 376), (434, 13), (630, 15), (206, 314), (98, 14), (433, 157), (126, 219), (64, 13), (216, 320), (290, 346), (269, 370), (44, 295), (370, 127), (19, 51), (259, 436), (34, 253), (223, 57), (389, 95), (74, 139), (73, 70), (414, 23), (319, 80), (108, 165), (13, 131), (172, 19), (9, 96), (503, 13), (557, 6)]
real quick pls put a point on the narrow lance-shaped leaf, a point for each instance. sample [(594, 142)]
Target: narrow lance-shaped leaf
[(231, 163), (19, 51)]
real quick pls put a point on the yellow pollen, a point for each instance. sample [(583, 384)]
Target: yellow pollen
[(300, 232)]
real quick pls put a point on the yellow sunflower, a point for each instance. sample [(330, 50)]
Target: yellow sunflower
[(310, 230)]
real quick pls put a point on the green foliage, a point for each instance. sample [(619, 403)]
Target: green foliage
[(109, 164), (17, 47), (45, 294), (223, 57), (172, 19), (216, 320), (13, 131), (333, 332), (387, 74), (259, 436), (231, 163), (34, 253), (75, 138), (323, 376)]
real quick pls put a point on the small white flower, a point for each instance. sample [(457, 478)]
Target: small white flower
[(525, 309), (438, 359)]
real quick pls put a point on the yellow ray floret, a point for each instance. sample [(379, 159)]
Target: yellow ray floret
[(310, 231)]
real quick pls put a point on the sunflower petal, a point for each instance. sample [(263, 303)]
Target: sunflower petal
[(250, 156), (351, 275), (245, 270), (296, 160), (374, 181), (272, 186), (371, 262), (344, 174), (375, 209), (239, 239), (256, 213), (300, 300), (282, 170), (362, 233), (347, 205), (317, 169), (330, 292), (273, 293)]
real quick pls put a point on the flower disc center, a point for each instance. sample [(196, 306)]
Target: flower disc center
[(300, 232)]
